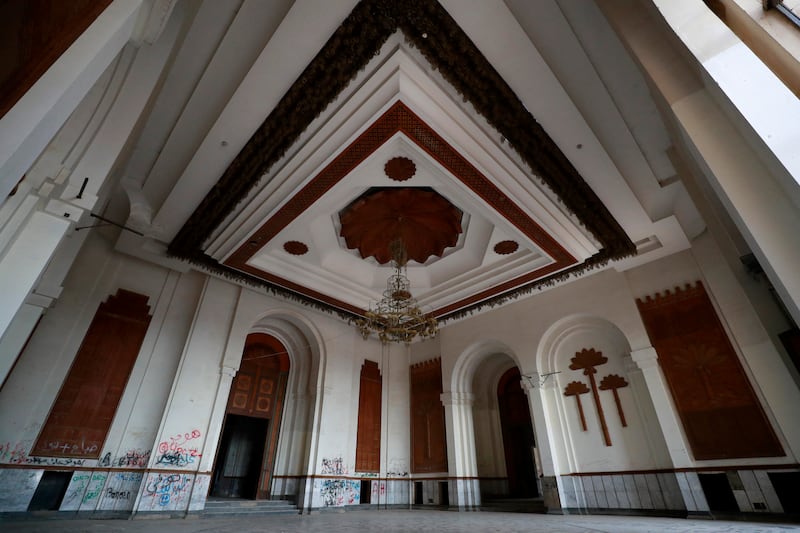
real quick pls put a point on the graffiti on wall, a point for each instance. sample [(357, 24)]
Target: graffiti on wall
[(17, 454), (378, 489), (94, 490), (133, 459), (179, 450), (13, 453), (339, 492), (72, 448), (74, 495), (333, 467), (168, 489), (397, 468), (120, 491)]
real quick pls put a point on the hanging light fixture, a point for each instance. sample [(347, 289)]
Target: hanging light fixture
[(397, 317)]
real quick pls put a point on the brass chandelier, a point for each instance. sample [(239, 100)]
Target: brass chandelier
[(397, 316)]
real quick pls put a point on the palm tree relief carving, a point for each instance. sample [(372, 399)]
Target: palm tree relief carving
[(587, 360)]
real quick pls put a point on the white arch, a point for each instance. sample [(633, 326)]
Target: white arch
[(299, 433), (463, 371), (561, 330), (634, 446), (461, 448)]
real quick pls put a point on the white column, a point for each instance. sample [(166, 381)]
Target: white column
[(532, 385), (33, 121), (22, 264), (16, 335), (189, 415), (647, 360), (743, 126), (464, 488)]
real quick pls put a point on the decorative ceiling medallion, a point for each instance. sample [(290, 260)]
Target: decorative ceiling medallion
[(295, 247), (400, 169), (506, 247), (426, 222)]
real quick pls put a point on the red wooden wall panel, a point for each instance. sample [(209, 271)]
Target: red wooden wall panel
[(368, 437), (720, 413), (35, 34), (81, 416), (254, 391), (428, 437)]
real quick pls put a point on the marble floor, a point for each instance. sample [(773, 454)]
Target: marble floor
[(387, 521)]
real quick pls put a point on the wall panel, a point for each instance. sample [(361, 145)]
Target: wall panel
[(716, 403), (428, 438), (81, 416), (368, 439)]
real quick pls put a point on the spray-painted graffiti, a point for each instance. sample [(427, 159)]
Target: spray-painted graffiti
[(178, 458), (94, 490), (74, 495), (134, 459), (118, 494), (18, 454), (168, 488), (54, 461), (397, 468), (378, 489), (13, 453), (176, 452), (333, 467), (106, 460), (339, 492), (73, 448), (120, 491)]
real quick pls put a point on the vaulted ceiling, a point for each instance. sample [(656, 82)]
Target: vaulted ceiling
[(291, 143)]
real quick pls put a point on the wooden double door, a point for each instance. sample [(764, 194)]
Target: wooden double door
[(246, 453)]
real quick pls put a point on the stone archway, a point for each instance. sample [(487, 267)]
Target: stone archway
[(298, 430), (598, 411), (251, 428), (477, 451)]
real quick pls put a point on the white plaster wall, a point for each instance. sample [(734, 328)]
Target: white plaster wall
[(521, 324), (519, 328), (319, 422), (586, 451), (35, 381), (185, 421)]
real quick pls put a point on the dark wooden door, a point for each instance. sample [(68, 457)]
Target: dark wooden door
[(250, 436), (518, 442)]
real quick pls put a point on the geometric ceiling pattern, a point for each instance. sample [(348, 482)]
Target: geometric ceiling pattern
[(514, 233)]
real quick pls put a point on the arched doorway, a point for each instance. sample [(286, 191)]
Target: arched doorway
[(247, 448), (518, 439)]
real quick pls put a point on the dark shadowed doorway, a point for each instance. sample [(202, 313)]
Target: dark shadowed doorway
[(518, 442), (241, 452)]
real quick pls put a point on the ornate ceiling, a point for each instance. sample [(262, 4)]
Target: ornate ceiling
[(424, 222), (399, 125)]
